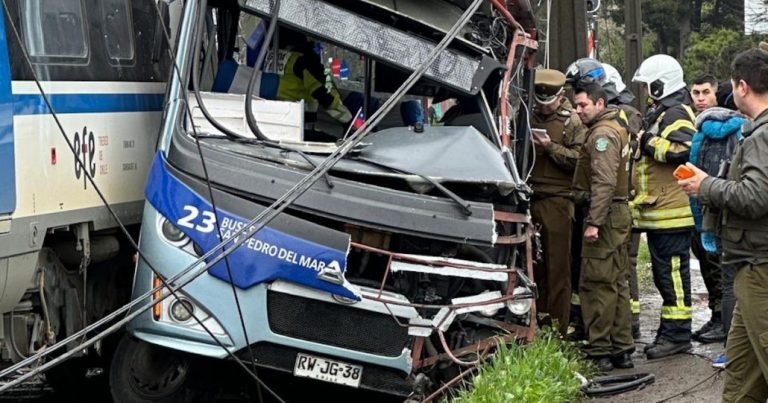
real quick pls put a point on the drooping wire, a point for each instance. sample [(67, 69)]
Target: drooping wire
[(198, 38), (252, 227)]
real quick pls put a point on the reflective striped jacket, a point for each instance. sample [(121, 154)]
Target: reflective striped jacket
[(659, 203)]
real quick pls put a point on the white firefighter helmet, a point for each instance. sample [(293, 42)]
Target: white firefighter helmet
[(614, 77), (662, 74)]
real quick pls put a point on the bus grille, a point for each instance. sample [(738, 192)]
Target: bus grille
[(336, 325)]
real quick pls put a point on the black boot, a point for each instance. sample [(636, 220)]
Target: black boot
[(622, 361), (603, 364), (664, 348), (636, 331), (704, 329), (650, 345), (714, 335)]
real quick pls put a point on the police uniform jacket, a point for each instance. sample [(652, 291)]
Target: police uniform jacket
[(603, 167), (552, 173)]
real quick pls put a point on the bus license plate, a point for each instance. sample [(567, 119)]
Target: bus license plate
[(327, 370)]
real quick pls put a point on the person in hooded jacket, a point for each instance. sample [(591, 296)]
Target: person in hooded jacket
[(718, 132)]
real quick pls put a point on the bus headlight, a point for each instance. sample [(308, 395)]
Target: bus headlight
[(173, 234), (181, 310), (521, 305)]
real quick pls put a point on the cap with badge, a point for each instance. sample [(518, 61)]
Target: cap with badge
[(548, 85)]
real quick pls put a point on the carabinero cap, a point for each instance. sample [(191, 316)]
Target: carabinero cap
[(548, 85)]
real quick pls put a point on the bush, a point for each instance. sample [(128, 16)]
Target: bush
[(541, 371)]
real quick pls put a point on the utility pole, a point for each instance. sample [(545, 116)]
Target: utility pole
[(633, 48), (568, 33)]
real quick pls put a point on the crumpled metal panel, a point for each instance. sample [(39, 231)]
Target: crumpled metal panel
[(244, 169), (376, 39), (446, 154)]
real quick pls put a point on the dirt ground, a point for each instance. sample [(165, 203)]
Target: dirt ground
[(683, 377)]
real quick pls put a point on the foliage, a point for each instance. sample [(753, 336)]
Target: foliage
[(611, 44), (541, 371), (704, 35), (713, 53)]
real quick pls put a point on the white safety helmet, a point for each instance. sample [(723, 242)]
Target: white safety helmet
[(614, 77), (662, 74)]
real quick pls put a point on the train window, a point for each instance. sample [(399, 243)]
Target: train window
[(118, 30), (55, 30)]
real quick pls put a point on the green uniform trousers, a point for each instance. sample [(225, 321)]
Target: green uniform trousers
[(553, 273), (604, 289), (746, 373)]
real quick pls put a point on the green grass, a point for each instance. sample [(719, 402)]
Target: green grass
[(644, 274), (541, 371)]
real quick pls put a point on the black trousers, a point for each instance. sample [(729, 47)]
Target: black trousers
[(670, 257), (709, 264)]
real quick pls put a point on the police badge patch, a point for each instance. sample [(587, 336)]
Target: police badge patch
[(601, 144)]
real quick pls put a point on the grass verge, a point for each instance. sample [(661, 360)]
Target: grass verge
[(541, 371), (644, 273)]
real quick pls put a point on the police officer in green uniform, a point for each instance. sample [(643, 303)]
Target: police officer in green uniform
[(551, 179), (603, 173)]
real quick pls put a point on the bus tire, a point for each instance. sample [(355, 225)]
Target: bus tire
[(142, 373)]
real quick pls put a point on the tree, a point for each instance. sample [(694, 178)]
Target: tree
[(712, 53)]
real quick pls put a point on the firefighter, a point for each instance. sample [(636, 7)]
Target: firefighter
[(551, 179), (660, 208), (602, 176), (298, 73)]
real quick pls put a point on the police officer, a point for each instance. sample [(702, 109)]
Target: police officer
[(634, 120), (603, 173), (584, 71), (742, 198), (660, 208), (551, 179)]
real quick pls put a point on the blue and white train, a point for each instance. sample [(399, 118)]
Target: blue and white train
[(103, 66)]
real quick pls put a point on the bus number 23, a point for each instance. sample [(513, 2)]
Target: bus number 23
[(207, 222)]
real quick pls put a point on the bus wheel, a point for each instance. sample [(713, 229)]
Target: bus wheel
[(142, 373)]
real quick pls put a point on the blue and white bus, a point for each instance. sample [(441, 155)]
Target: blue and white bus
[(408, 260)]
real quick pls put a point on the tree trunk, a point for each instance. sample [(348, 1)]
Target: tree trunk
[(696, 15), (686, 9)]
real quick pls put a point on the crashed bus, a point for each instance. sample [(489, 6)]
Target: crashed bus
[(411, 251), (388, 255)]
